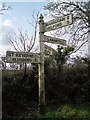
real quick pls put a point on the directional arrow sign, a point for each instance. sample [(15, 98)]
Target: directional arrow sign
[(48, 50), (58, 23), (22, 57), (54, 40)]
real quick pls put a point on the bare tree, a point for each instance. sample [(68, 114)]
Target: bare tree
[(22, 42), (78, 31)]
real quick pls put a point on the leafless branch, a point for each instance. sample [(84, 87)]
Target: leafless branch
[(4, 7), (35, 30), (22, 41), (81, 18), (79, 47)]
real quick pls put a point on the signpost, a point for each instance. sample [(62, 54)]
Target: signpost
[(41, 81), (45, 27), (22, 57), (54, 40), (27, 57), (58, 23)]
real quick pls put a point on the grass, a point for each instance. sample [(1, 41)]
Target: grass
[(60, 112), (67, 112)]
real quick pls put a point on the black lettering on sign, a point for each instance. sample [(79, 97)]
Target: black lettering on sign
[(67, 17), (13, 59)]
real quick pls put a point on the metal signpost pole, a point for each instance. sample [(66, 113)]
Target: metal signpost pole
[(41, 67)]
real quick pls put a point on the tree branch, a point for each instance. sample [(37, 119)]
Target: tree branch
[(79, 47), (4, 7)]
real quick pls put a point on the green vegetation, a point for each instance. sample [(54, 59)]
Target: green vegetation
[(67, 91), (68, 112), (61, 112), (67, 86)]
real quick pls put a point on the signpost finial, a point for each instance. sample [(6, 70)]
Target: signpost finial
[(41, 18)]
